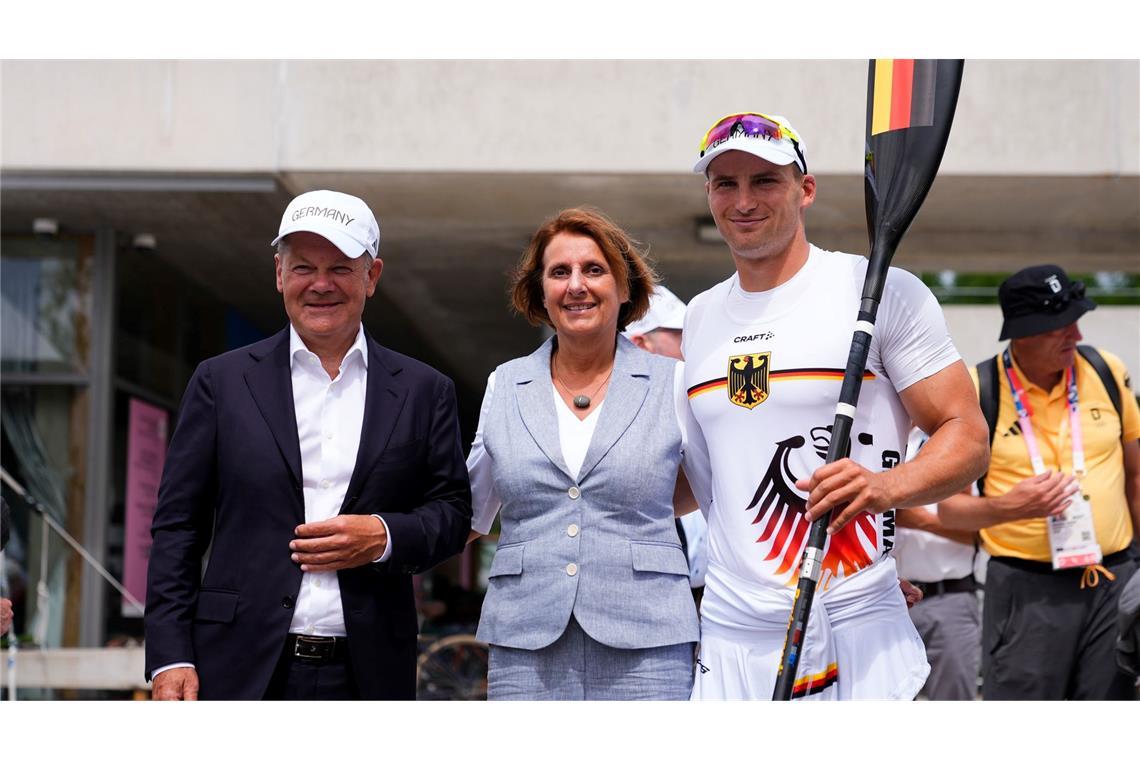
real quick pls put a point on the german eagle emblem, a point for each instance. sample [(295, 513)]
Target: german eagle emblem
[(780, 515), (748, 379)]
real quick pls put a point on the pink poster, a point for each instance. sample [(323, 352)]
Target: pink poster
[(146, 453)]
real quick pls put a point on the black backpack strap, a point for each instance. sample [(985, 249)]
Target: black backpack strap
[(988, 390), (1093, 357)]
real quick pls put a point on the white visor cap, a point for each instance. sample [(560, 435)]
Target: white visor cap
[(780, 152)]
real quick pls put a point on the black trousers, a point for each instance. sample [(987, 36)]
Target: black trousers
[(1044, 637), (304, 679)]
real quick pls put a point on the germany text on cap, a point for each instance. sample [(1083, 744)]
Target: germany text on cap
[(344, 220)]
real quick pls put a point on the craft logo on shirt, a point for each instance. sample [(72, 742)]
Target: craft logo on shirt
[(768, 335), (748, 379)]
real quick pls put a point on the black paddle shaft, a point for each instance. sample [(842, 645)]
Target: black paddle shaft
[(900, 165), (812, 561)]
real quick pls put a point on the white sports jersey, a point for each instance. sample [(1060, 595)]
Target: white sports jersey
[(763, 373)]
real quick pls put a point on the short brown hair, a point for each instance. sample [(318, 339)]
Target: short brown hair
[(622, 253)]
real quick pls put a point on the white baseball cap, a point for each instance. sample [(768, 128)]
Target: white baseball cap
[(665, 311), (344, 220), (772, 138)]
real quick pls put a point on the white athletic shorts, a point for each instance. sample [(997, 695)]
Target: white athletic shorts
[(860, 643)]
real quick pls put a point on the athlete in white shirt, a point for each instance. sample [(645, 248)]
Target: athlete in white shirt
[(765, 353)]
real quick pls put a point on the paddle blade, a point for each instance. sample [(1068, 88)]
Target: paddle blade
[(910, 107)]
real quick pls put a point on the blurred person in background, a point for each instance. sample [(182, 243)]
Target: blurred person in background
[(1128, 630), (1060, 503), (940, 562), (578, 448), (6, 613)]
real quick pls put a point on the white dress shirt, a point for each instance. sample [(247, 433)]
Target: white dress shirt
[(330, 414)]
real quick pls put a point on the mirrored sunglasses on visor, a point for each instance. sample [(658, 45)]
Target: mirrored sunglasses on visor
[(751, 125)]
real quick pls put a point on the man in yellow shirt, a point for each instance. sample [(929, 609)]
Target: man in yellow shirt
[(1060, 503)]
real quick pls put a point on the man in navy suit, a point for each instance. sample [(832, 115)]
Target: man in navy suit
[(315, 471)]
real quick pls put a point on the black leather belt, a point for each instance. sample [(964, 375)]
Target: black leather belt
[(953, 586), (315, 648), (1046, 568)]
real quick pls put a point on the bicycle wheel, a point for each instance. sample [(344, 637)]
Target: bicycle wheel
[(453, 668)]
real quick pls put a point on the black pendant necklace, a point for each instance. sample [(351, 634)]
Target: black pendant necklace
[(581, 401)]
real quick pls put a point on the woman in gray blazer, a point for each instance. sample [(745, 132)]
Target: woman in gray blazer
[(578, 450)]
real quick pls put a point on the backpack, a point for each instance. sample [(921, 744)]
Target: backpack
[(989, 388)]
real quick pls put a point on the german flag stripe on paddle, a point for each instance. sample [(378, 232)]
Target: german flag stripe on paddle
[(903, 94), (807, 373)]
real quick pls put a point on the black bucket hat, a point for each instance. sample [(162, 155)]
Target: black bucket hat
[(1039, 299)]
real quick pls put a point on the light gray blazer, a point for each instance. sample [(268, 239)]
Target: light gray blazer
[(602, 546)]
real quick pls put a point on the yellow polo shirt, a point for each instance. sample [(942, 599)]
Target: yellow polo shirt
[(1104, 463)]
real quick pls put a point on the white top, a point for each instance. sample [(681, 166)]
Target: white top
[(921, 555), (330, 415), (573, 434), (763, 373)]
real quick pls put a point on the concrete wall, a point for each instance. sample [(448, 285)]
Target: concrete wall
[(1014, 117), (1112, 328)]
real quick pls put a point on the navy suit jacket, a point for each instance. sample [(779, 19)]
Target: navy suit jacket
[(231, 486)]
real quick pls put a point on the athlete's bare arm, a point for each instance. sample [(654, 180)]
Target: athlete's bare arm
[(945, 407)]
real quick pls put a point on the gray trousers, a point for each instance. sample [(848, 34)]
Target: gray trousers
[(951, 628), (575, 667)]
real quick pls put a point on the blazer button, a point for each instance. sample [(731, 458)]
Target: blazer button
[(572, 530), (571, 569), (574, 492), (287, 602)]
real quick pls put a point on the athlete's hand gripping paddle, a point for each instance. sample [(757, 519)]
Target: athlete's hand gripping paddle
[(910, 106)]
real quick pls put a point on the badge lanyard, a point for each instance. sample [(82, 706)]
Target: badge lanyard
[(1072, 537), (1024, 419)]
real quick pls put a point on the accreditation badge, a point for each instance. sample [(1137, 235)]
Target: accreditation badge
[(1072, 537)]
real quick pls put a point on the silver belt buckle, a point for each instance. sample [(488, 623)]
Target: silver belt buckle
[(312, 651)]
